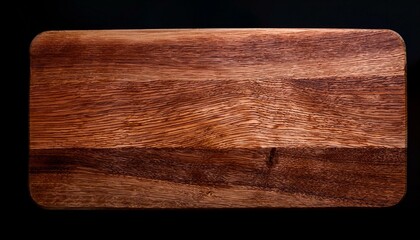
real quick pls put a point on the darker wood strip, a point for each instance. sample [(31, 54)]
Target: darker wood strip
[(344, 176)]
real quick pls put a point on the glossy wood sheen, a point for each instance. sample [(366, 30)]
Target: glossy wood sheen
[(217, 118)]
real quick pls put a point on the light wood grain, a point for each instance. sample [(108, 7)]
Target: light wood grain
[(256, 117)]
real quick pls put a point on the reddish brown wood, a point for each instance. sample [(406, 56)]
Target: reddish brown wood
[(218, 118)]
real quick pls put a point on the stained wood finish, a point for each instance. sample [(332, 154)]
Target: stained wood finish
[(217, 118)]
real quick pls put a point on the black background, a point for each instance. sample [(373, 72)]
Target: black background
[(28, 19)]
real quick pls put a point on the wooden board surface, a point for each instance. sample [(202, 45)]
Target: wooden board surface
[(217, 118)]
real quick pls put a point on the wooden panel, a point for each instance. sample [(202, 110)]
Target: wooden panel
[(217, 118)]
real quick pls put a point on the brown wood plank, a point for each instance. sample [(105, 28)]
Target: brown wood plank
[(218, 118)]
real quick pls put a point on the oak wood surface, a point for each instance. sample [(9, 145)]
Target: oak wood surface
[(217, 118)]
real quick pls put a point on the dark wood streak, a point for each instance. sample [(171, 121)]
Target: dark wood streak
[(345, 176), (272, 158)]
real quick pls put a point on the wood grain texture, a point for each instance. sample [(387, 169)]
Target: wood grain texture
[(217, 118)]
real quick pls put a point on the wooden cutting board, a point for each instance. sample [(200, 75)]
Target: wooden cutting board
[(217, 118)]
